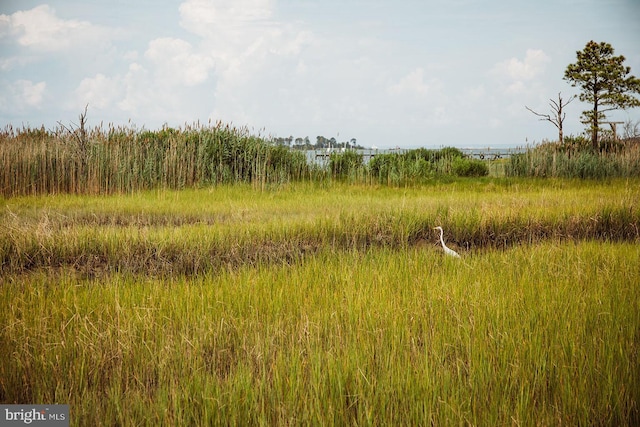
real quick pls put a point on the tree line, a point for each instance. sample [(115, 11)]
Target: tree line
[(320, 143)]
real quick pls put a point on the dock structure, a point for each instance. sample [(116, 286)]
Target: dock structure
[(486, 154), (491, 153), (366, 154)]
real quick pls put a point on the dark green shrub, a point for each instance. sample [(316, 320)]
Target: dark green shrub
[(422, 154), (450, 153), (415, 166), (469, 167)]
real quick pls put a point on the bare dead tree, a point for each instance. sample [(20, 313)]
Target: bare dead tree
[(79, 135), (557, 119), (631, 129)]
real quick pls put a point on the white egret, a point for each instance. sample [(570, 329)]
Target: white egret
[(447, 251)]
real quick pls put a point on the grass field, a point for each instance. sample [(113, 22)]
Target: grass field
[(326, 304)]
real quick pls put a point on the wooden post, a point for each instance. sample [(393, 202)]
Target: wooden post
[(613, 129)]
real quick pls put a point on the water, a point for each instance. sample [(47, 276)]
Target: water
[(321, 157)]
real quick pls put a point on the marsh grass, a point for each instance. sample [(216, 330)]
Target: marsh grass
[(326, 304), (543, 334), (99, 160), (90, 161), (123, 159), (573, 160), (191, 231)]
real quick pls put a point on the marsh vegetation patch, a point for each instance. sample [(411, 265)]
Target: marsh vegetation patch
[(176, 234)]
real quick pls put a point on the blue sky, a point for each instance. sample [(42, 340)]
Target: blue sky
[(404, 73)]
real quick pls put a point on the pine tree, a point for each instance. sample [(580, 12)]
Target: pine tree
[(605, 83)]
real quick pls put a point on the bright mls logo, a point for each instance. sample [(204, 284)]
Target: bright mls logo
[(39, 415)]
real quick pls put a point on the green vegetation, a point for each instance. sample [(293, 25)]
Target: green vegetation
[(414, 166), (606, 85), (575, 159), (536, 335), (326, 303), (192, 231), (348, 164), (123, 160), (100, 161), (469, 167)]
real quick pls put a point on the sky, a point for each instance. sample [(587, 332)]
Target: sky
[(401, 73)]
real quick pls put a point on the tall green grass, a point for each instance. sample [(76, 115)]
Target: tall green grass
[(123, 159), (536, 335), (190, 231), (326, 303), (576, 160), (103, 161)]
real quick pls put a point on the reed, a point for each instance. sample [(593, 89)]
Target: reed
[(575, 160), (121, 160)]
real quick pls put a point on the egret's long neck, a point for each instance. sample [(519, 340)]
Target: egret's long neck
[(441, 239)]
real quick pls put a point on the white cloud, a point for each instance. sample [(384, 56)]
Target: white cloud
[(175, 62), (240, 35), (99, 91), (531, 67), (5, 26), (22, 95), (40, 29), (31, 93), (418, 102), (209, 18), (516, 88), (243, 50), (495, 123), (138, 95), (231, 30), (476, 93), (413, 83), (520, 81), (10, 63)]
